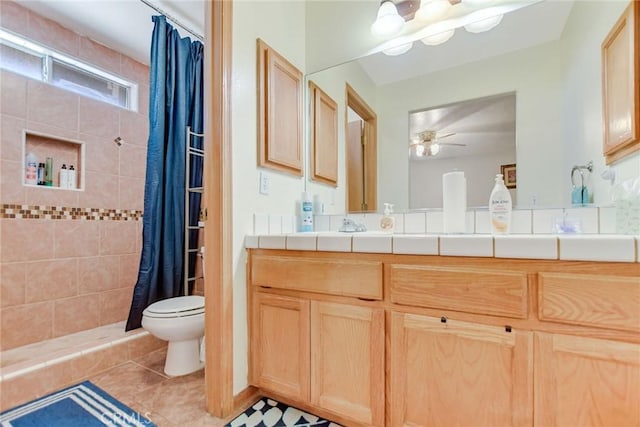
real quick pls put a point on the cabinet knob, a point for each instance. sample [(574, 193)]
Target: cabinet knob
[(443, 319), (507, 328)]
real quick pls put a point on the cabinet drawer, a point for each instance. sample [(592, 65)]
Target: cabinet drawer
[(355, 278), (492, 292), (603, 301)]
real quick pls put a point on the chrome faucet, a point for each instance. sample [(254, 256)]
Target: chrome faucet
[(350, 226)]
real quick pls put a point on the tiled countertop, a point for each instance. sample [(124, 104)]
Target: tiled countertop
[(583, 247)]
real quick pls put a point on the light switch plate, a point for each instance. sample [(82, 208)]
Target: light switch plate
[(264, 183)]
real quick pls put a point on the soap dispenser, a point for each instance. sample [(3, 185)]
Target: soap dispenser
[(306, 213), (388, 222), (500, 207)]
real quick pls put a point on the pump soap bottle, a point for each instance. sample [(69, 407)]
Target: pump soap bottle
[(388, 222), (500, 207), (306, 213)]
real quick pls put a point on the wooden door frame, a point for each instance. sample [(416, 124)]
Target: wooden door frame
[(218, 232), (368, 115)]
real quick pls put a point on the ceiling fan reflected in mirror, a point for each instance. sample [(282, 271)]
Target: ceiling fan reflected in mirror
[(427, 143)]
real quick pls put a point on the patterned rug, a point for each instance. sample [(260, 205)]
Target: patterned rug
[(266, 413), (81, 405)]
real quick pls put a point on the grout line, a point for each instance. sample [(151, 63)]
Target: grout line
[(162, 374), (23, 371)]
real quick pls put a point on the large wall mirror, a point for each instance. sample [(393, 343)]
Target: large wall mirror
[(546, 57), (477, 136)]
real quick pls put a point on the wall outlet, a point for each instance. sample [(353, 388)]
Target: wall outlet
[(264, 183)]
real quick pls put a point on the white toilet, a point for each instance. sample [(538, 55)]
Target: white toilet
[(180, 321)]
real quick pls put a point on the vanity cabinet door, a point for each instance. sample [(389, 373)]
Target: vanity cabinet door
[(449, 373), (324, 136), (621, 86), (280, 112), (280, 345), (586, 382), (347, 361)]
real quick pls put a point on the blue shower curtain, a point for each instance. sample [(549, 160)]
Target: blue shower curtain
[(175, 102)]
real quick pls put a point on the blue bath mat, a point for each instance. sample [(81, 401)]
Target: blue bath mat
[(81, 405)]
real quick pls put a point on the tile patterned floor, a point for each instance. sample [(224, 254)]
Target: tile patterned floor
[(168, 402)]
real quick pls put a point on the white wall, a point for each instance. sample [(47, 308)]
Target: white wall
[(533, 74), (281, 26), (338, 31), (588, 25), (425, 176)]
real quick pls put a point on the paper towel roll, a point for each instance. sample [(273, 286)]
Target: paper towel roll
[(454, 202)]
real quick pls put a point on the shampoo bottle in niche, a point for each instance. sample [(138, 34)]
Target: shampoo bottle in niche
[(48, 172), (31, 170), (40, 173), (63, 176), (500, 207), (388, 222), (306, 213), (71, 178)]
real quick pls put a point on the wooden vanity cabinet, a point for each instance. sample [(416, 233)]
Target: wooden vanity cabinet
[(586, 382), (347, 361), (466, 341), (279, 112), (582, 380), (325, 354), (451, 373), (621, 85), (324, 136), (280, 344), (312, 345)]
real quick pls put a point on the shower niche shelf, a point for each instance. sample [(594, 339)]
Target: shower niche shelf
[(63, 151)]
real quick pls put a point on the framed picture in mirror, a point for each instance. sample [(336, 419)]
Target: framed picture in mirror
[(509, 174)]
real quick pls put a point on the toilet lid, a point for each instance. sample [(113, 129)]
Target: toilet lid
[(177, 306)]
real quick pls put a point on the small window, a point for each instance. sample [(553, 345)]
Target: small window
[(20, 61), (30, 59), (85, 83)]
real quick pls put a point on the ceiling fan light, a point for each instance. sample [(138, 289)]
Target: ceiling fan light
[(483, 25), (439, 38), (432, 10), (419, 150), (388, 22), (434, 149), (398, 50)]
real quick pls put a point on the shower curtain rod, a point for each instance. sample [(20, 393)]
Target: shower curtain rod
[(172, 19)]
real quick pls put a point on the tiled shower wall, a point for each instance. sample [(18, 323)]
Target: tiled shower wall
[(60, 276)]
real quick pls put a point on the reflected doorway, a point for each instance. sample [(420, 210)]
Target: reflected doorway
[(361, 154)]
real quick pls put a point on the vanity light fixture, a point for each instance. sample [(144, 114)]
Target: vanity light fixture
[(480, 22), (399, 50), (432, 10), (435, 21), (388, 22), (438, 37)]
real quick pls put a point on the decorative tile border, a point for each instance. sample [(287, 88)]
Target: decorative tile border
[(64, 212)]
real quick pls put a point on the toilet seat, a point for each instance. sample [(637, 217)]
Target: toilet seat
[(191, 305)]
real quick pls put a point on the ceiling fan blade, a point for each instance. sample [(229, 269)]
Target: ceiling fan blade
[(452, 143), (445, 135)]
